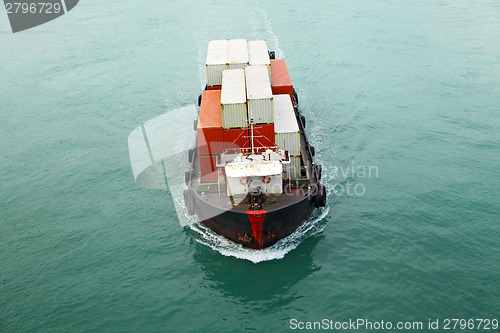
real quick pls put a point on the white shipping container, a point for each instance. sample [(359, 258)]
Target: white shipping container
[(259, 95), (286, 128), (233, 99), (216, 61), (225, 54), (258, 55), (237, 53)]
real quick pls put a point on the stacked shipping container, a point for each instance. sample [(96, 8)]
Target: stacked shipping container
[(280, 79), (216, 61), (236, 138), (258, 55), (234, 94), (234, 109), (287, 131), (209, 133), (286, 128), (259, 95), (209, 128), (237, 53), (233, 99), (225, 54), (263, 136), (285, 125)]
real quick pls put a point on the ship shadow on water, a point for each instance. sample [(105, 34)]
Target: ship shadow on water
[(266, 281)]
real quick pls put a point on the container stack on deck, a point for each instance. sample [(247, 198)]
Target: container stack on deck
[(243, 85), (287, 132), (222, 55), (258, 55), (209, 133), (260, 106), (280, 79), (233, 99), (234, 109)]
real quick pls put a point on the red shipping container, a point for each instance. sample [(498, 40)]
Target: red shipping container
[(263, 135), (208, 169), (214, 88), (236, 138), (280, 78), (240, 137), (209, 130)]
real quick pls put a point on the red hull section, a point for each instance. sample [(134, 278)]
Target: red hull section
[(256, 218)]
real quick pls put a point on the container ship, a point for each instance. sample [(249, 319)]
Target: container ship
[(252, 175)]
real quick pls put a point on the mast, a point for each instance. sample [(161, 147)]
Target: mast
[(251, 130)]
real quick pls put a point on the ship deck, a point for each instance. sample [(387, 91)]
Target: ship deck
[(271, 203)]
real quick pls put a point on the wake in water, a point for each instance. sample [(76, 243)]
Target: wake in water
[(269, 29)]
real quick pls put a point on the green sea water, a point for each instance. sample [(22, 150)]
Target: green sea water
[(410, 89)]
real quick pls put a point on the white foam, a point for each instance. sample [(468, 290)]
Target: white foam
[(269, 29)]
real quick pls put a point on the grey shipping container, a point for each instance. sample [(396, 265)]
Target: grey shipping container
[(237, 53), (259, 95), (258, 55), (286, 128), (225, 54), (233, 99)]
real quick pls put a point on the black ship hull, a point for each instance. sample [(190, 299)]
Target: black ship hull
[(256, 229)]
